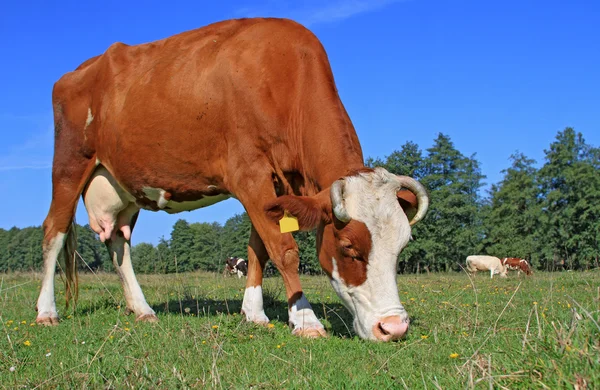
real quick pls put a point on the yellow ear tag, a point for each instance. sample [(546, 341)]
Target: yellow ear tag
[(288, 223)]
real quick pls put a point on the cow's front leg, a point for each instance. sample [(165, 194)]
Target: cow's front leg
[(252, 306), (267, 242)]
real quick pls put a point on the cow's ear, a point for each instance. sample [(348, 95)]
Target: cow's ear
[(408, 202), (309, 210)]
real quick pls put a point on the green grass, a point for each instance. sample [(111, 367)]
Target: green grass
[(537, 332)]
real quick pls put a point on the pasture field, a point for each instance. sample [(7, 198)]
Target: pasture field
[(514, 333)]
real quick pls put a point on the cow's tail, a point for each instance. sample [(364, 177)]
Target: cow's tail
[(71, 276)]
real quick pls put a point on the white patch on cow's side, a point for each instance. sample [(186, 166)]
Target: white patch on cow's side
[(302, 316), (371, 198), (252, 306), (89, 119), (171, 207), (46, 305)]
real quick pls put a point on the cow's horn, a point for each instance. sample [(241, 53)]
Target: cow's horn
[(420, 192), (337, 201)]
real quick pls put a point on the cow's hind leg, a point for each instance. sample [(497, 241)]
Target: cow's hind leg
[(119, 247), (68, 181)]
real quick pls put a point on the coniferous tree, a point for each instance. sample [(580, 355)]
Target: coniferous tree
[(513, 213)]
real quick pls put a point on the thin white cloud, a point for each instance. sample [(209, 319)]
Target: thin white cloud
[(316, 12), (30, 145)]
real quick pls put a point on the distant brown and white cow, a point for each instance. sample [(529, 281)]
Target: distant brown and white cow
[(246, 109), (517, 264), (486, 263)]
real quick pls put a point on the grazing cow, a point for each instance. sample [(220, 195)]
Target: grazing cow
[(486, 263), (243, 108), (234, 265), (516, 264)]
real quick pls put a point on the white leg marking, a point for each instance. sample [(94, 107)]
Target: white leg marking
[(46, 305), (133, 292), (252, 305), (302, 317)]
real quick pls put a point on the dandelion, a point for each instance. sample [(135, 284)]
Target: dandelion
[(465, 334), (278, 346), (9, 322), (23, 322), (251, 336), (453, 355), (111, 337), (568, 348), (215, 326), (270, 326), (424, 337), (126, 323), (32, 324), (412, 299), (203, 341), (187, 310), (27, 343), (69, 316), (568, 305), (16, 328), (126, 329), (534, 302)]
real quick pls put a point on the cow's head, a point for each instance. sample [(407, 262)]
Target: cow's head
[(363, 223), (525, 267)]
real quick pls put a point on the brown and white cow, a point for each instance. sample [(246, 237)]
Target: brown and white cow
[(486, 263), (243, 108), (517, 264)]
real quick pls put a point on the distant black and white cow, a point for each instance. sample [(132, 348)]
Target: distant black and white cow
[(486, 263), (235, 265)]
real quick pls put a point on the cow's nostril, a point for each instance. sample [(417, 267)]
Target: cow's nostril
[(382, 329)]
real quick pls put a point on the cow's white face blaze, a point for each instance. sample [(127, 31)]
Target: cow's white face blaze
[(367, 249)]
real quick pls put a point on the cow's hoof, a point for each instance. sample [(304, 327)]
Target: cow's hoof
[(260, 319), (311, 333), (47, 319), (147, 318), (128, 311)]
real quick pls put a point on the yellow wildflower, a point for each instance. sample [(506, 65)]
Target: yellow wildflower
[(251, 336), (424, 337), (27, 343), (16, 328), (279, 346), (9, 322), (126, 329), (271, 326), (24, 322), (534, 302), (215, 326), (453, 355)]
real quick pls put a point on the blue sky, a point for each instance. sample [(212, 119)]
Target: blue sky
[(496, 76)]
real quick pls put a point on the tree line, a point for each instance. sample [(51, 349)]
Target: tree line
[(547, 215)]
